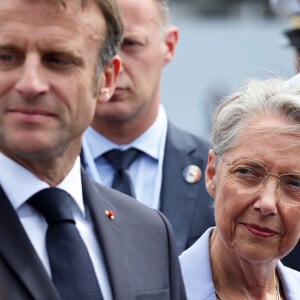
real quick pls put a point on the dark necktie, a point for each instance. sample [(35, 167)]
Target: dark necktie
[(71, 267), (121, 161)]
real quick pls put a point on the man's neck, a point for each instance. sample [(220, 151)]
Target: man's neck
[(122, 132), (52, 169)]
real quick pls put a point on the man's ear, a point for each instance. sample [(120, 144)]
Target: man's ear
[(107, 82), (171, 41), (210, 173)]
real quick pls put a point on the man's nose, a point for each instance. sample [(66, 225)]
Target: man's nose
[(31, 81)]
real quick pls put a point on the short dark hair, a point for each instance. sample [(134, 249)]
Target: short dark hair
[(114, 33)]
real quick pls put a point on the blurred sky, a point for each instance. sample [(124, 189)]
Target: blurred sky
[(217, 56)]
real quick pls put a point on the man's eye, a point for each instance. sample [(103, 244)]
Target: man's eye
[(10, 59), (128, 43), (131, 42), (9, 56), (57, 60), (6, 57)]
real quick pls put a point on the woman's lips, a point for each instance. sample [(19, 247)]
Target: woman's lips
[(260, 231)]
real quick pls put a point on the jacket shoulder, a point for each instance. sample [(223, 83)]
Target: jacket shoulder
[(182, 138)]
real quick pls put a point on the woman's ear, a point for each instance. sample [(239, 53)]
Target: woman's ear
[(210, 173), (107, 82)]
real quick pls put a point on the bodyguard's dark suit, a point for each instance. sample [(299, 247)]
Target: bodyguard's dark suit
[(292, 260), (137, 245), (188, 207)]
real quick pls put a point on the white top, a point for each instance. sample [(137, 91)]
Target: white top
[(197, 274)]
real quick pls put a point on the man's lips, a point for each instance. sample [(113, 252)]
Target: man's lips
[(260, 231), (119, 91), (30, 114)]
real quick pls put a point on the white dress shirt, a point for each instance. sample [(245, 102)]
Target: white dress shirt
[(35, 225), (145, 172)]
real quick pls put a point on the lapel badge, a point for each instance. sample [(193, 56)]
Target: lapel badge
[(192, 174), (110, 214)]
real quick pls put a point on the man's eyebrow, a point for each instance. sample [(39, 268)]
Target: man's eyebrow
[(10, 47), (75, 58)]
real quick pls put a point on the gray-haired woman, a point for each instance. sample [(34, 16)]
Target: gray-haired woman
[(253, 173)]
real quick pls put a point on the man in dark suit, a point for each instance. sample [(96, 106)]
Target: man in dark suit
[(62, 235), (290, 10), (168, 172)]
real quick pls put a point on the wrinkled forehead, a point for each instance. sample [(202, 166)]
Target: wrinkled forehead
[(35, 10), (269, 134), (41, 14)]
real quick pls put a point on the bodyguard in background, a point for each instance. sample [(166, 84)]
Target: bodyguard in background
[(166, 164), (290, 9), (63, 237)]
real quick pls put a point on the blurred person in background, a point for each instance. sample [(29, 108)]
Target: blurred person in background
[(167, 163), (291, 10), (253, 174)]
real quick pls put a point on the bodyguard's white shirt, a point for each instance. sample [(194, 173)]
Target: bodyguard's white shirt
[(145, 172), (20, 184)]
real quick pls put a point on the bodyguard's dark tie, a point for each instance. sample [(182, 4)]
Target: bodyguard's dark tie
[(71, 267), (121, 161)]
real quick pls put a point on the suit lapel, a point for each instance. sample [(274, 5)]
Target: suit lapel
[(18, 253), (111, 240), (176, 193)]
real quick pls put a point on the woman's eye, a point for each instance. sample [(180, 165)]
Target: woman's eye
[(246, 170)]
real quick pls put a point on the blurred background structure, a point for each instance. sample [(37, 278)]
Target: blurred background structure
[(222, 45)]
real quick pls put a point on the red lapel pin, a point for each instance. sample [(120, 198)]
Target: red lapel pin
[(110, 214)]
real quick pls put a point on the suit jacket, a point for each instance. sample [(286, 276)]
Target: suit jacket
[(137, 245), (292, 260), (188, 207), (196, 269)]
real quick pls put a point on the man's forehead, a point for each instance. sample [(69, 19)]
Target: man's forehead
[(71, 7), (46, 13)]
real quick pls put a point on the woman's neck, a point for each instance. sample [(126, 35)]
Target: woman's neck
[(237, 278)]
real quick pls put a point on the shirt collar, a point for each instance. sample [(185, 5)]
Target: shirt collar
[(29, 184), (149, 142)]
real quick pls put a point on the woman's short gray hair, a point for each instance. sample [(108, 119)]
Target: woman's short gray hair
[(271, 96)]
